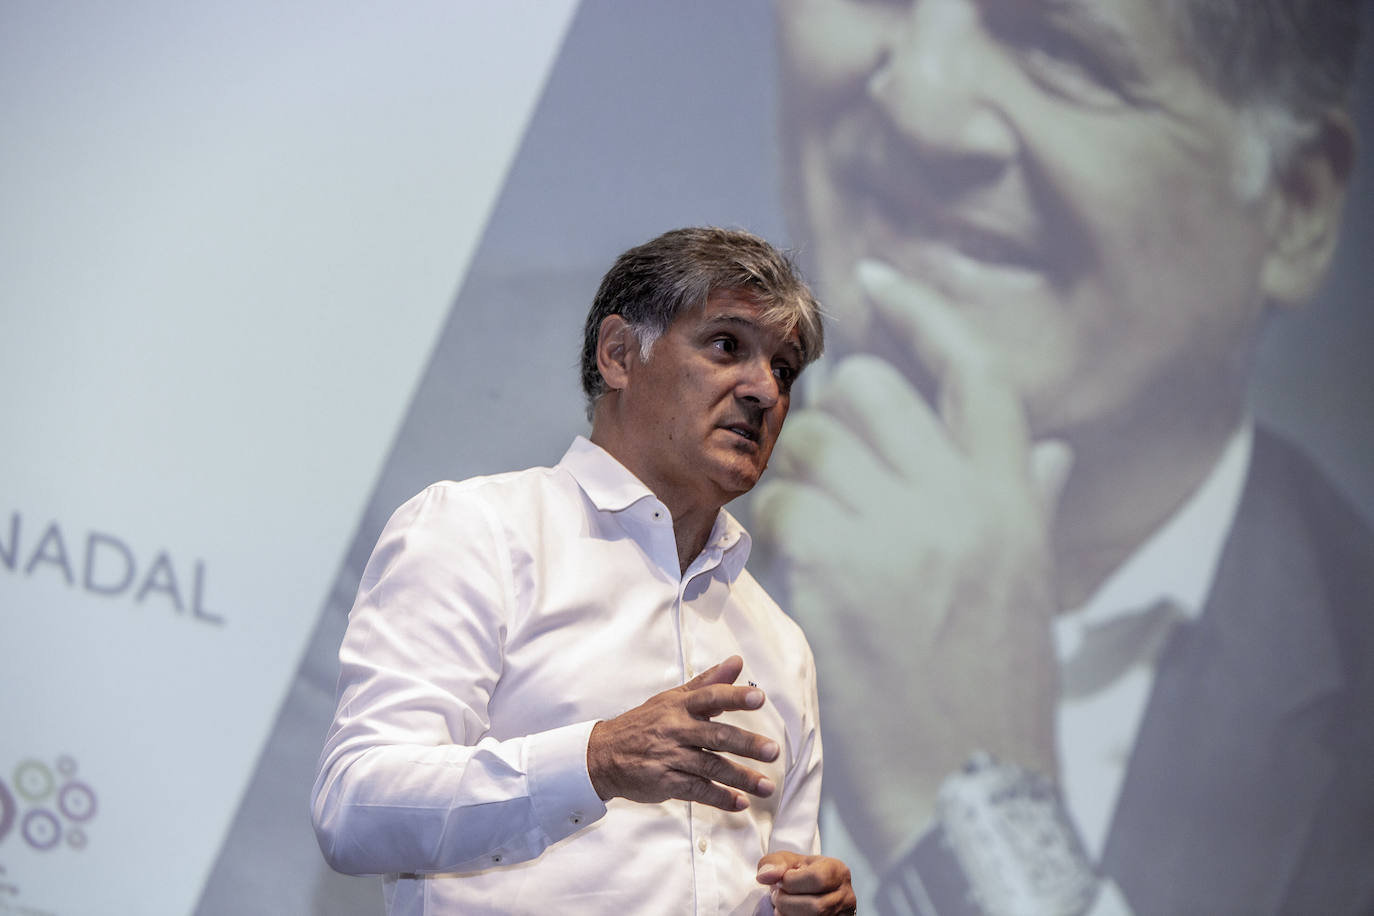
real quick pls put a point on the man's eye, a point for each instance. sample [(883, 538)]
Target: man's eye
[(1061, 66), (1067, 65), (725, 344), (785, 374)]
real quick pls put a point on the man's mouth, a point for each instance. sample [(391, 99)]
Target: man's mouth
[(959, 231), (908, 227), (744, 431), (966, 238)]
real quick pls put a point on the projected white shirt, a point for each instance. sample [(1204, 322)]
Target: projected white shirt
[(1174, 568), (1097, 729), (498, 619)]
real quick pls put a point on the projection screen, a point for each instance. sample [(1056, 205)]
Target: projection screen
[(270, 270)]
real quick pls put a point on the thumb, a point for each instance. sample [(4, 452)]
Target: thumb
[(776, 864), (723, 673)]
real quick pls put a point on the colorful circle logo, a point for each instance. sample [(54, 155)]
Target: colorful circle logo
[(38, 785)]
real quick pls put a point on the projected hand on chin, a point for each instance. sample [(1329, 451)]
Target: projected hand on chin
[(916, 547)]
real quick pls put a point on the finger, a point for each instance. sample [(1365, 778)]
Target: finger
[(692, 788), (818, 449), (774, 865), (981, 410), (836, 903), (816, 875), (723, 673), (985, 417), (798, 518), (724, 772), (714, 699), (885, 412), (718, 736)]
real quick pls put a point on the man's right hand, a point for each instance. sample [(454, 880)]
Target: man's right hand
[(668, 747)]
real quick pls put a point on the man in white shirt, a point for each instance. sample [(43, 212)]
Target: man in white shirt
[(493, 750), (1030, 505)]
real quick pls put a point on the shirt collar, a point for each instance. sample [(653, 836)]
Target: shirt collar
[(1178, 562), (608, 483), (613, 488)]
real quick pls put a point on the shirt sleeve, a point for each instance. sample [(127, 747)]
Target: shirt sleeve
[(797, 826), (410, 779)]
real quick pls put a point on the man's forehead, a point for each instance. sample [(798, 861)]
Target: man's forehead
[(744, 310)]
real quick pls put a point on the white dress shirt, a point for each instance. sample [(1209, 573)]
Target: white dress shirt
[(497, 620)]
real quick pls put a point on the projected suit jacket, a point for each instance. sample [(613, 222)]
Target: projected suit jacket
[(1251, 789)]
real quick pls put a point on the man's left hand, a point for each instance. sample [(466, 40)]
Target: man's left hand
[(807, 885)]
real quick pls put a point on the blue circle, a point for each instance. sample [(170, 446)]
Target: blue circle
[(77, 801), (32, 820)]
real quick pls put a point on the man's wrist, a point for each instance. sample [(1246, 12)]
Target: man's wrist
[(561, 790), (1002, 843)]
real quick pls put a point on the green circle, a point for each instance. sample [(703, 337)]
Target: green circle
[(25, 771)]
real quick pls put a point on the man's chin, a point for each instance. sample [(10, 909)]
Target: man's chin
[(735, 479)]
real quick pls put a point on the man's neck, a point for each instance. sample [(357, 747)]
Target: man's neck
[(692, 530), (693, 515), (1122, 488)]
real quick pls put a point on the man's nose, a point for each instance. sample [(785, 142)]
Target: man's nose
[(938, 83), (758, 383)]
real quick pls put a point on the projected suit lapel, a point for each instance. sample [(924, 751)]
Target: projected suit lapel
[(1234, 760)]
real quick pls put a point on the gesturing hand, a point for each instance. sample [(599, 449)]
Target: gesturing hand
[(807, 885), (668, 746)]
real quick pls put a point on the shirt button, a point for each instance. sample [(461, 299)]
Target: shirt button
[(701, 844), (496, 858), (575, 818), (658, 514)]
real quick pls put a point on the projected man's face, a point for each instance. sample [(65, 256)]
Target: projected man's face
[(1056, 170)]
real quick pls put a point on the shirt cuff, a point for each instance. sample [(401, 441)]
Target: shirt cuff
[(560, 786)]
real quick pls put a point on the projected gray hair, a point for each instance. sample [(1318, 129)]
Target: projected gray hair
[(1283, 61), (652, 284)]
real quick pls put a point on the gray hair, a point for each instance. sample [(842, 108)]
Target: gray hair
[(652, 284), (1285, 62)]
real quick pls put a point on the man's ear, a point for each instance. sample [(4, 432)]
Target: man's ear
[(1305, 222), (615, 343)]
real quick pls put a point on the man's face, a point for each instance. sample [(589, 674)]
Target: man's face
[(707, 406), (1055, 170)]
